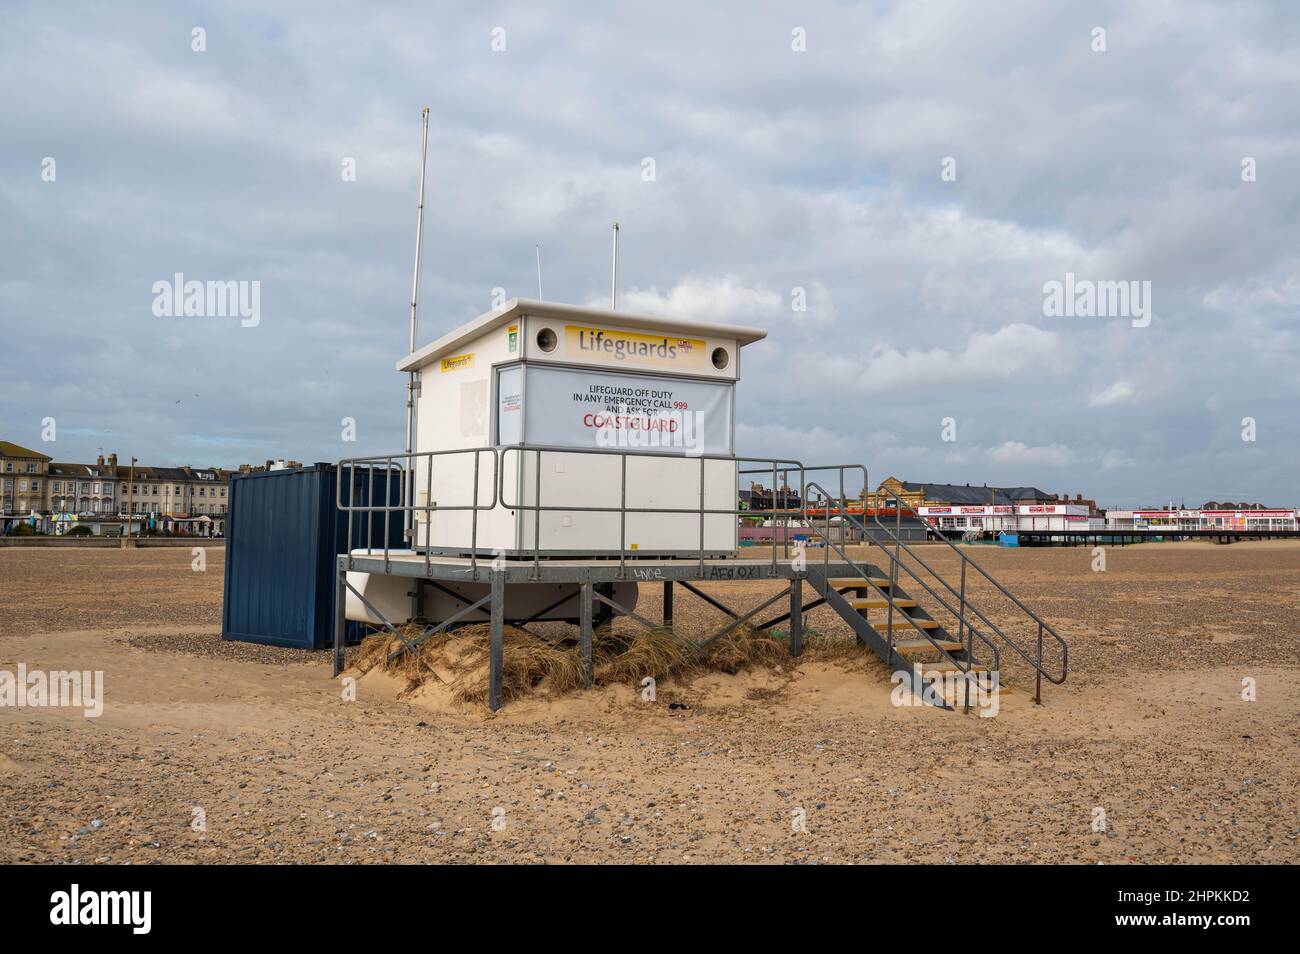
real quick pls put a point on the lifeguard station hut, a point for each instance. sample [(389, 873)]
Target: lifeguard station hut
[(575, 382), (565, 456)]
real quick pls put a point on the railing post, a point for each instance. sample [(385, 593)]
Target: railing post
[(388, 486), (826, 545), (370, 511), (537, 518), (622, 514), (785, 538), (796, 616), (473, 527), (961, 615), (970, 676), (889, 614), (701, 514), (771, 515), (1038, 679), (585, 622), (352, 476), (962, 631), (844, 508), (428, 521)]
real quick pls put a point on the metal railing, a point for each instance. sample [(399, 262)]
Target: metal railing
[(362, 498), (350, 469), (506, 460), (1056, 675), (968, 633), (701, 551)]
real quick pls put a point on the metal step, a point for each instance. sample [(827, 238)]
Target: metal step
[(944, 666), (870, 604), (840, 583), (947, 645), (911, 623)]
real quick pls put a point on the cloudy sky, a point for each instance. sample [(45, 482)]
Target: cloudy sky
[(1171, 157)]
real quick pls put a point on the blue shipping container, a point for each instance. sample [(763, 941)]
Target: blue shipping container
[(284, 534)]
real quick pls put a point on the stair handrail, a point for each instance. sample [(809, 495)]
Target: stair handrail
[(1043, 626), (866, 575)]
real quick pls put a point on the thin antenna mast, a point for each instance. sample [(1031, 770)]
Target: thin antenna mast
[(538, 249), (415, 296), (613, 286)]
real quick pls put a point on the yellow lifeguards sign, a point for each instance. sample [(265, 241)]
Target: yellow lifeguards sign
[(458, 362), (615, 346)]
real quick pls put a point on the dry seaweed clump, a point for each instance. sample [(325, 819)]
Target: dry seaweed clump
[(629, 657), (458, 661)]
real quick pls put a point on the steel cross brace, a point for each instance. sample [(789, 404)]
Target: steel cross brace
[(624, 610), (718, 604), (740, 620), (435, 630), (387, 625)]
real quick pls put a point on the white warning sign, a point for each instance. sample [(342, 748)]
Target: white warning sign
[(570, 408)]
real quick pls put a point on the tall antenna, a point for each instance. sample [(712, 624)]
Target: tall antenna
[(415, 296), (613, 287), (538, 249)]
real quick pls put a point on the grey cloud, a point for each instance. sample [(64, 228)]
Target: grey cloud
[(775, 170)]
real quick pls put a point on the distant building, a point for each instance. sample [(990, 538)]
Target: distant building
[(1222, 516), (269, 465), (77, 489), (175, 499), (104, 494), (760, 498), (23, 478), (968, 494), (979, 507)]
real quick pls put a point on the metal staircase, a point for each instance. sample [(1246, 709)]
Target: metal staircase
[(916, 619)]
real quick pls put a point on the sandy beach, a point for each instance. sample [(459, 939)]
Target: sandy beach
[(209, 751)]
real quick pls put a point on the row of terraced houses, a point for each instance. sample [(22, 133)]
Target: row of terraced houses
[(105, 496)]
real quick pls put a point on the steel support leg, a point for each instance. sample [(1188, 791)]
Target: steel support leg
[(497, 650), (796, 617), (340, 616), (668, 603), (586, 634)]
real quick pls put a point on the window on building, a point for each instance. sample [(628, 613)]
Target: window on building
[(33, 469)]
